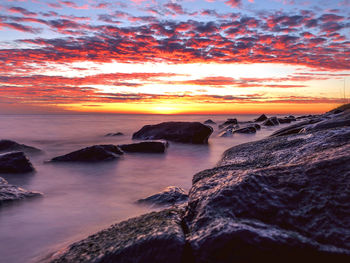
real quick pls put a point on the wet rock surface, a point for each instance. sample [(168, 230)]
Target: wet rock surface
[(273, 121), (261, 118), (145, 147), (15, 162), (185, 132), (114, 134), (169, 196), (10, 192), (209, 121), (280, 199), (8, 145), (96, 153), (154, 237)]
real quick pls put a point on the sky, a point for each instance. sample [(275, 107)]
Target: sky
[(174, 57)]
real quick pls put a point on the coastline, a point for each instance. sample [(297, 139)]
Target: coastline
[(216, 219)]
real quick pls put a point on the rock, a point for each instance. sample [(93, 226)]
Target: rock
[(15, 162), (291, 118), (94, 153), (114, 134), (10, 192), (278, 199), (261, 118), (156, 237), (295, 128), (169, 196), (226, 133), (257, 126), (249, 129), (230, 121), (8, 145), (284, 120), (145, 147), (273, 121), (185, 132), (209, 121)]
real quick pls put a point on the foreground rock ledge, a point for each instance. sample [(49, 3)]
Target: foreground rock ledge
[(154, 237), (281, 199)]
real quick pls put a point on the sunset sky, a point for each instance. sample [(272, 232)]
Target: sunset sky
[(184, 56)]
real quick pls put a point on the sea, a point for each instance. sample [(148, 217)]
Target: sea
[(81, 199)]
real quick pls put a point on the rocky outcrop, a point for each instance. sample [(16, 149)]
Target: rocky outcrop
[(209, 121), (114, 134), (281, 199), (273, 121), (10, 192), (145, 147), (156, 237), (249, 129), (96, 153), (15, 162), (9, 146), (168, 197), (261, 118), (185, 132)]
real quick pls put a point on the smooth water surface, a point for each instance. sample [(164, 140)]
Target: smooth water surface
[(80, 199)]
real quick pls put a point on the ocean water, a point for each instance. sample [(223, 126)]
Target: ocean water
[(81, 199)]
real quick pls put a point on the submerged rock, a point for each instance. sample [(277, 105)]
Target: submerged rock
[(8, 145), (169, 196), (185, 132), (145, 147), (209, 121), (94, 153), (15, 162), (261, 118), (10, 192), (156, 237), (249, 129), (226, 133), (284, 120), (273, 121), (114, 134)]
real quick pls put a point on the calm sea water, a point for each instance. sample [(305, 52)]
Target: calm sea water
[(80, 199)]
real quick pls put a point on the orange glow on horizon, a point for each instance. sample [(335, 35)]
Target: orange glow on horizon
[(200, 108)]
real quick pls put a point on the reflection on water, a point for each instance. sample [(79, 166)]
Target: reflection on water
[(80, 199)]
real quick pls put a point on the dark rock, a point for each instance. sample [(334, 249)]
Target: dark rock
[(145, 147), (169, 196), (156, 237), (261, 118), (10, 192), (291, 117), (209, 121), (284, 120), (15, 162), (230, 121), (249, 129), (185, 132), (94, 153), (273, 121), (114, 134), (337, 111), (295, 128), (278, 198), (226, 133), (8, 145), (257, 126)]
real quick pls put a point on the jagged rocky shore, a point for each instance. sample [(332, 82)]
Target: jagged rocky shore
[(284, 198)]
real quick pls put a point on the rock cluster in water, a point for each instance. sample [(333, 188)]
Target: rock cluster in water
[(184, 132), (8, 146), (281, 199)]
